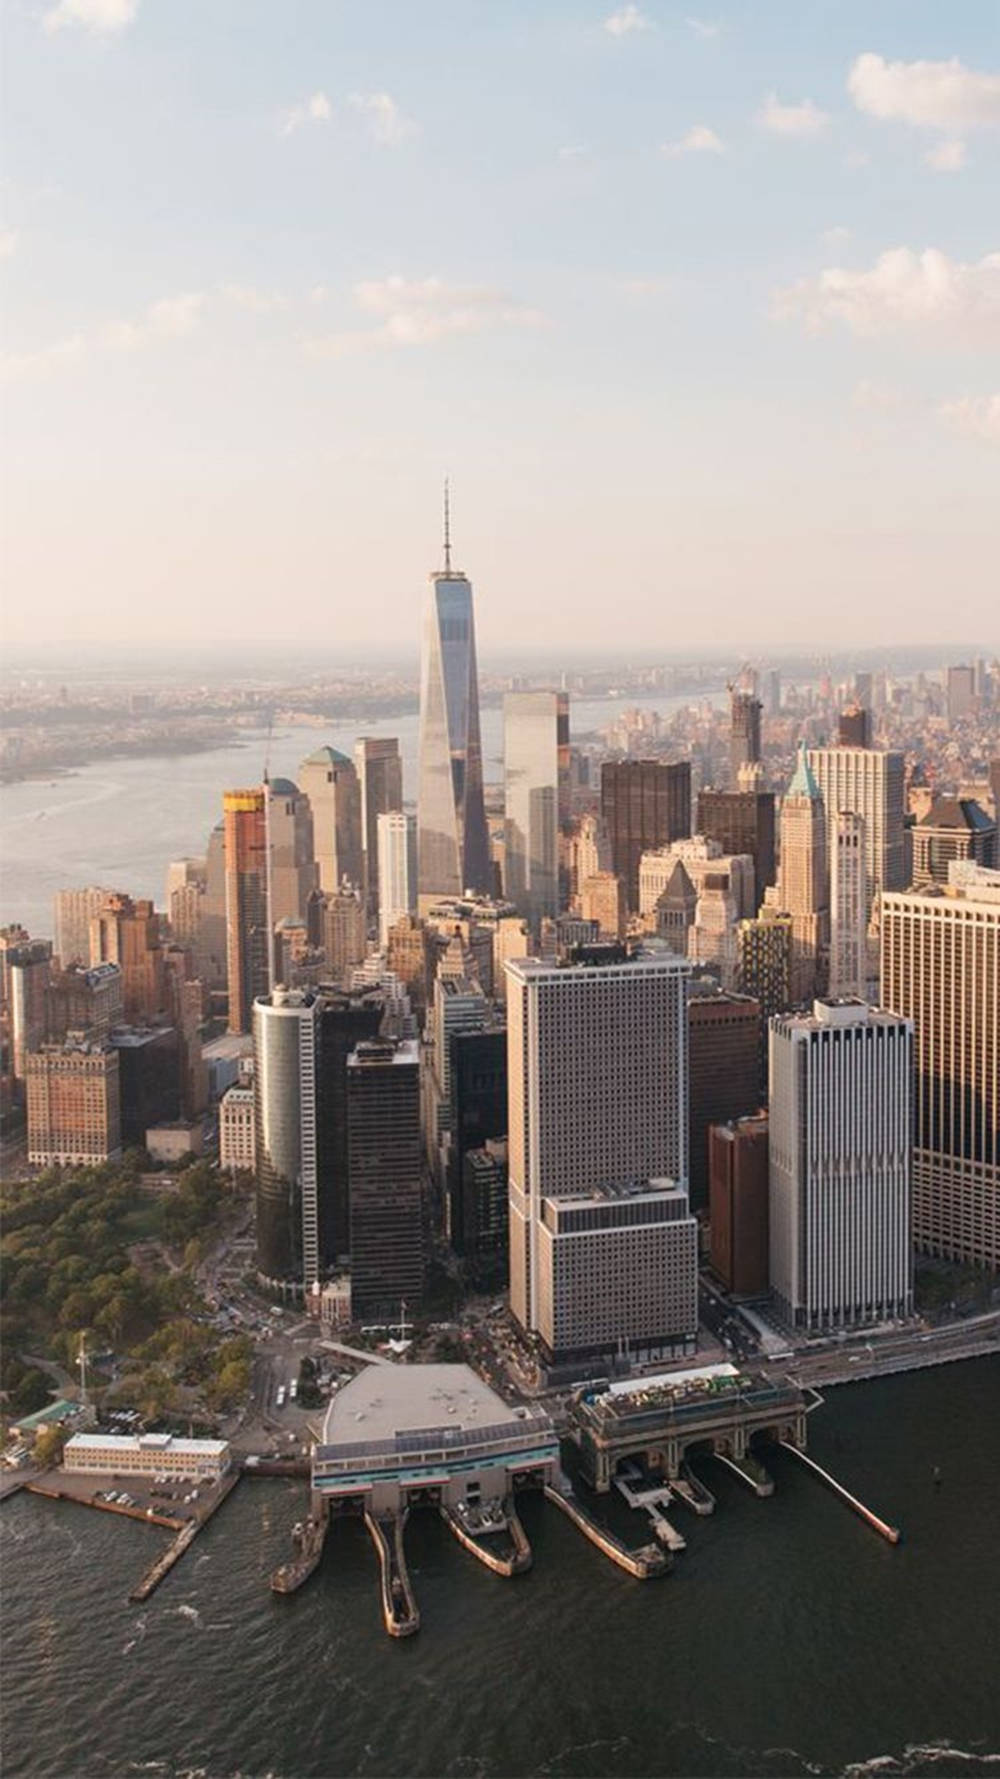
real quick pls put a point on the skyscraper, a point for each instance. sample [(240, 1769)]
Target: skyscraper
[(286, 1137), (802, 879), (73, 1110), (644, 804), (536, 799), (742, 822), (602, 1246), (848, 923), (28, 972), (871, 783), (74, 909), (380, 782), (127, 933), (744, 732), (330, 782), (247, 939), (452, 841), (953, 828), (397, 869), (723, 1071), (738, 1195), (941, 968), (383, 1113), (841, 1151), (292, 874)]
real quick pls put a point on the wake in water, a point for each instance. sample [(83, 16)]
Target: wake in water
[(937, 1759)]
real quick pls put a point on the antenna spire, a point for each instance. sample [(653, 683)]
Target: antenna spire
[(447, 529)]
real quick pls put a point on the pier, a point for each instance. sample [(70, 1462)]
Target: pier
[(185, 1538), (692, 1491), (399, 1607), (891, 1534), (308, 1539), (750, 1471), (644, 1563), (472, 1535)]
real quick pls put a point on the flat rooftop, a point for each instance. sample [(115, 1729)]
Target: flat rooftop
[(384, 1400), (147, 1442)]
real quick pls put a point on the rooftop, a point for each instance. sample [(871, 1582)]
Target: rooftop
[(147, 1442), (384, 1401)]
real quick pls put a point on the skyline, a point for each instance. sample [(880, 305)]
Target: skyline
[(701, 315)]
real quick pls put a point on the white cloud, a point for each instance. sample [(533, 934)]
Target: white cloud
[(315, 109), (419, 312), (804, 119), (932, 95), (698, 140), (834, 238), (874, 397), (171, 318), (975, 416), (385, 122), (627, 19), (94, 15), (947, 156), (255, 302), (15, 365), (8, 243), (704, 27), (902, 289)]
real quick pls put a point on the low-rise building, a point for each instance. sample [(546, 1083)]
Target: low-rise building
[(237, 1145), (147, 1454)]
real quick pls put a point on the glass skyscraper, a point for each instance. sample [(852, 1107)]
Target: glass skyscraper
[(452, 843)]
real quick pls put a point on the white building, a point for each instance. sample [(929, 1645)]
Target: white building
[(146, 1454), (871, 784), (237, 1148), (848, 908), (841, 1154), (397, 869)]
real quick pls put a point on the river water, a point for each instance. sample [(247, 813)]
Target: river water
[(120, 822), (789, 1639)]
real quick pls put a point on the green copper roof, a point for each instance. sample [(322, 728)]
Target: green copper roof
[(803, 783), (326, 756)]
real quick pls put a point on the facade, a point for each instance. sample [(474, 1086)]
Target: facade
[(854, 727), (149, 1075), (644, 804), (478, 1117), (848, 917), (412, 1434), (602, 901), (345, 1020), (738, 1205), (247, 927), (292, 873), (723, 1072), (871, 783), (536, 800), (28, 969), (941, 969), (803, 885), (343, 929), (127, 933), (960, 688), (396, 850), (379, 768), (483, 1214), (73, 911), (286, 1137), (452, 842), (146, 1454), (330, 782), (953, 828), (742, 822), (82, 1000), (597, 1098), (237, 1148), (386, 1199), (744, 732), (73, 1108), (841, 1152)]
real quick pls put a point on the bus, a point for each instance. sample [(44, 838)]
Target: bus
[(293, 1390), (280, 1398)]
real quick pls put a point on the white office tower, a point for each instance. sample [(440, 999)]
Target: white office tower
[(941, 967), (397, 869), (285, 1026), (871, 784), (841, 1149), (603, 1249), (848, 919), (536, 800)]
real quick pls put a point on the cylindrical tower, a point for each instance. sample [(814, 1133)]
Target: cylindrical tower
[(284, 1034)]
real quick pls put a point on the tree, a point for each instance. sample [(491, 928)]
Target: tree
[(48, 1446)]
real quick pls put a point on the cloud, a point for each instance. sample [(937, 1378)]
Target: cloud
[(385, 122), (902, 289), (641, 288), (627, 19), (419, 312), (947, 156), (834, 238), (255, 302), (704, 27), (874, 397), (573, 151), (102, 16), (974, 416), (8, 243), (170, 318), (315, 109), (698, 140), (802, 120), (931, 95), (43, 359)]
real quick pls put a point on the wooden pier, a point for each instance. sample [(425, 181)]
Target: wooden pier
[(399, 1607), (644, 1563)]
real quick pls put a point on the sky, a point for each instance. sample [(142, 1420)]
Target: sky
[(699, 310)]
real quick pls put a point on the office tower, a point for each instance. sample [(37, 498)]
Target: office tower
[(511, 938), (149, 1079), (28, 969), (953, 828), (864, 690), (602, 900), (742, 822), (345, 1020), (184, 898), (764, 961), (644, 804), (478, 1117), (802, 879), (738, 1204), (383, 1121), (342, 933), (478, 921), (237, 1147), (185, 1001), (772, 692), (589, 853), (292, 872), (870, 782), (210, 948), (127, 933), (286, 1137), (536, 799), (854, 727), (941, 968), (704, 863), (603, 1249), (82, 1000), (380, 784), (411, 953), (330, 782), (848, 918), (484, 1214), (723, 1070), (675, 909), (458, 1005), (396, 851), (73, 911), (744, 732), (452, 843), (841, 1153), (960, 688), (247, 929), (72, 1103)]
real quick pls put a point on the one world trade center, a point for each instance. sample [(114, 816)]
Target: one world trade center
[(453, 849)]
